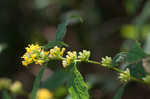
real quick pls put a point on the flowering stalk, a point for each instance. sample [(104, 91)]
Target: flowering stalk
[(119, 71), (36, 54)]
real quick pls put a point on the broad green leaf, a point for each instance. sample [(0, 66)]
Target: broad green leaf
[(61, 31), (137, 70), (6, 95), (120, 92), (55, 80), (54, 43), (37, 82), (76, 86), (136, 53)]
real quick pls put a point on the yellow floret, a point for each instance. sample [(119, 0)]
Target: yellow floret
[(70, 57), (62, 51), (64, 63), (33, 47), (25, 57), (29, 60), (40, 62), (106, 61), (33, 56), (56, 52), (125, 76), (46, 53), (24, 63)]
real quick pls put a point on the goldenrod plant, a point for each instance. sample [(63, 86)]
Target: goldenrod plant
[(35, 54), (69, 74), (77, 87)]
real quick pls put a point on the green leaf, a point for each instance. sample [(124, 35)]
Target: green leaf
[(54, 43), (61, 31), (6, 95), (135, 54), (37, 82), (120, 92), (62, 28), (137, 70), (119, 59), (55, 80), (76, 86), (73, 16)]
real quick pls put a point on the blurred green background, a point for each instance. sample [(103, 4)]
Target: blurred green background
[(109, 26)]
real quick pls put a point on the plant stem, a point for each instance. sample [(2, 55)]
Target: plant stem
[(117, 70)]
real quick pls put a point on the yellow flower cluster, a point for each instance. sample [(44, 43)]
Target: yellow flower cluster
[(106, 61), (32, 55), (56, 52), (125, 76), (44, 94), (70, 58), (36, 54), (84, 56)]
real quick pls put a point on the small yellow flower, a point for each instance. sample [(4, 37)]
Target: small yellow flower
[(56, 52), (70, 58), (64, 63), (33, 56), (33, 47), (25, 57), (29, 60), (28, 49), (62, 51), (106, 61), (24, 63), (40, 62), (46, 53), (84, 56), (44, 94), (125, 76)]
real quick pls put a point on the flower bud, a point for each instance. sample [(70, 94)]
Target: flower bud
[(106, 61), (125, 76), (84, 56), (70, 58)]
